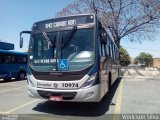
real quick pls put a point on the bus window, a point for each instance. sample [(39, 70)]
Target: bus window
[(102, 46), (100, 50), (1, 58), (39, 49), (110, 49), (113, 51), (9, 59), (13, 59), (107, 49), (21, 59)]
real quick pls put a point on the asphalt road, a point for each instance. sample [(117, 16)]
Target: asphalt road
[(126, 97)]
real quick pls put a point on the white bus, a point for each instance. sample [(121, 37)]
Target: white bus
[(71, 59)]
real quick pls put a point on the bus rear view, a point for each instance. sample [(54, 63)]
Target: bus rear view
[(63, 59)]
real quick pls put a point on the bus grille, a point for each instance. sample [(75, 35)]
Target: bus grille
[(63, 76), (59, 78), (65, 95)]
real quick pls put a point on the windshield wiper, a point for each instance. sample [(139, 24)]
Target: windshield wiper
[(65, 41), (68, 38), (47, 39), (50, 43)]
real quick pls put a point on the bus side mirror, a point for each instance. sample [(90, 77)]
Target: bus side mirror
[(21, 42), (21, 38), (103, 37)]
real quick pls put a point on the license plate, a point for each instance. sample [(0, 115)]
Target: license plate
[(56, 98)]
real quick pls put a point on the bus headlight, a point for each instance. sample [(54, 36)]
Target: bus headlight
[(91, 80), (30, 82)]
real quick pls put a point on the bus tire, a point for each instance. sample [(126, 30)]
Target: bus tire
[(109, 81), (21, 75)]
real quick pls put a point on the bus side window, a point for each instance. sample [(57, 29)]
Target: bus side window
[(113, 50), (116, 53), (110, 49), (100, 50), (24, 59), (103, 50), (13, 58), (21, 59), (1, 58), (8, 59), (107, 49)]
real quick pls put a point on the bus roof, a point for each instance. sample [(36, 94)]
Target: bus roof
[(6, 46), (13, 52)]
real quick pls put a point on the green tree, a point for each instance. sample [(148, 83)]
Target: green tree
[(124, 57), (135, 61), (145, 59)]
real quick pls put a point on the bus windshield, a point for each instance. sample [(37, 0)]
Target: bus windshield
[(78, 51)]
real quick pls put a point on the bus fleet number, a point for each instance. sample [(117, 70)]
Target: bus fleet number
[(70, 85)]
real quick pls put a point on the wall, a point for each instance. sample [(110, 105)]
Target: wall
[(156, 62)]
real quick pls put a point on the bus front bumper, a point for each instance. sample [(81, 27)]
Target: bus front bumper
[(91, 94)]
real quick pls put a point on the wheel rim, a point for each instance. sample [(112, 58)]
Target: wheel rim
[(21, 76)]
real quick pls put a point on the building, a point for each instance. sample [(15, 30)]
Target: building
[(156, 62)]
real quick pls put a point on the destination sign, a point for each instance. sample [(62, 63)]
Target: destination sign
[(60, 24), (64, 22)]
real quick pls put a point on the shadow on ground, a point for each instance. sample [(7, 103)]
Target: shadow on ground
[(79, 109)]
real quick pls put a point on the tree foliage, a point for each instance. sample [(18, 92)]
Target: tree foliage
[(145, 59), (135, 19), (124, 57)]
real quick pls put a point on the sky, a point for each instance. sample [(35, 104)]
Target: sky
[(135, 48), (19, 15)]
